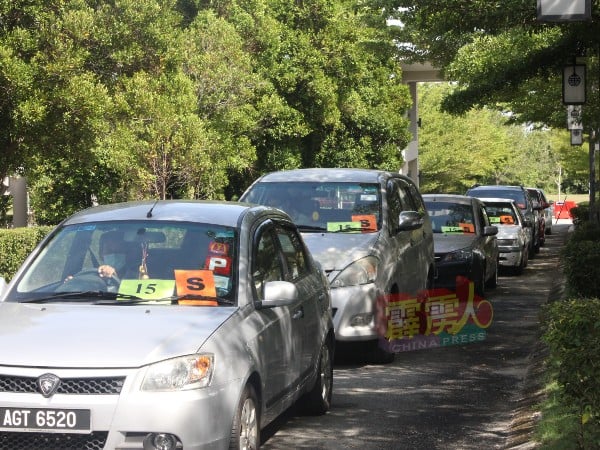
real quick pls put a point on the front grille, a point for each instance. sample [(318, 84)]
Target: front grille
[(89, 386), (53, 441)]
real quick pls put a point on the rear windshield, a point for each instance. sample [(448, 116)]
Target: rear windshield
[(331, 207)]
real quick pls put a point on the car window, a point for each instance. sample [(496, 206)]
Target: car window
[(323, 206), (293, 252), (142, 256), (501, 213), (450, 217), (266, 263)]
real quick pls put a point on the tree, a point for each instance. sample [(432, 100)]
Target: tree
[(499, 53), (457, 151)]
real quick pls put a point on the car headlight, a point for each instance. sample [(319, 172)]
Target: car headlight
[(359, 272), (464, 254), (179, 374)]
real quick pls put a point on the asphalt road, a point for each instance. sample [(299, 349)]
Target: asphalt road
[(457, 397)]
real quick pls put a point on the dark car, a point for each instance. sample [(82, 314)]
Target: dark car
[(542, 210), (464, 241), (521, 197)]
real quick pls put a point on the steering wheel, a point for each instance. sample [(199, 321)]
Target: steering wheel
[(87, 280)]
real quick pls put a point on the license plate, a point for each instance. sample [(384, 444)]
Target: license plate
[(45, 419)]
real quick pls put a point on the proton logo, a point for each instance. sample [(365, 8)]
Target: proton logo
[(47, 384)]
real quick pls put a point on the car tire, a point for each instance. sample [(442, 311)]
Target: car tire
[(377, 355), (480, 284), (245, 431), (492, 283), (518, 270), (317, 401)]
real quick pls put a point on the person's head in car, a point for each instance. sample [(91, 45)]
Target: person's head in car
[(113, 254)]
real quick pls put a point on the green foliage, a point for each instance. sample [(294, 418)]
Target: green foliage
[(499, 53), (15, 246), (582, 267), (480, 147), (572, 332), (169, 99)]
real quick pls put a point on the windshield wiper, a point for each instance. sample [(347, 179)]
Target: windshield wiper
[(82, 296), (310, 228), (220, 300)]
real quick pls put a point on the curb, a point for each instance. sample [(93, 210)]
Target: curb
[(527, 415)]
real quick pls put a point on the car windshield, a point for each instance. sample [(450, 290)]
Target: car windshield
[(133, 261), (448, 217), (330, 207), (514, 194), (501, 213)]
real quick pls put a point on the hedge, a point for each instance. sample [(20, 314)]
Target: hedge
[(15, 245), (572, 332)]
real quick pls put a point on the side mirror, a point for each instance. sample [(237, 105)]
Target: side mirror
[(490, 230), (410, 220), (278, 293)]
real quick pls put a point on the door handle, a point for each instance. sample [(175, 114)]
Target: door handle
[(298, 314)]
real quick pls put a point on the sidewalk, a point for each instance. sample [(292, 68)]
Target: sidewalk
[(526, 415)]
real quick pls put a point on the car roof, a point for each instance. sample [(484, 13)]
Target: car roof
[(216, 212), (326, 174), (497, 187), (497, 200), (454, 198)]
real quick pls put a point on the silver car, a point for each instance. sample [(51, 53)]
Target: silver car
[(367, 228), (163, 325), (513, 238)]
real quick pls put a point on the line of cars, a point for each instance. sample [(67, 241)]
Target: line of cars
[(233, 309), (488, 228)]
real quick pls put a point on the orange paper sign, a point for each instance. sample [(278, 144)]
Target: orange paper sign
[(368, 222), (196, 282)]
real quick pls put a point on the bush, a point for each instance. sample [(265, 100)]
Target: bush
[(581, 259), (572, 332), (15, 246)]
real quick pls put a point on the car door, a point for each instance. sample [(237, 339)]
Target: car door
[(280, 331), (490, 243), (311, 293), (404, 248)]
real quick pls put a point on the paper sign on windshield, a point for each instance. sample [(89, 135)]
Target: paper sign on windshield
[(368, 222), (151, 289), (195, 282)]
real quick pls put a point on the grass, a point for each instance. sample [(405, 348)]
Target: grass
[(569, 197), (560, 427)]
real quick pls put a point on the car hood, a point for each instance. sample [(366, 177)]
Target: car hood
[(84, 336), (334, 251), (445, 243)]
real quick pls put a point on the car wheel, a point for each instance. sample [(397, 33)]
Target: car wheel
[(377, 355), (492, 283), (480, 284), (245, 431), (521, 267), (318, 400)]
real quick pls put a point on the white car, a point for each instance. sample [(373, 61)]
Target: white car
[(370, 232), (513, 237), (221, 321)]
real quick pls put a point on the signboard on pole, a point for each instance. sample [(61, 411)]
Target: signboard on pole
[(564, 10), (574, 117), (576, 137), (574, 84)]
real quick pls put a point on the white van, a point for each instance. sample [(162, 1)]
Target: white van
[(369, 231)]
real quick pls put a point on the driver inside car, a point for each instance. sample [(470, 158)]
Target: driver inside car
[(115, 257)]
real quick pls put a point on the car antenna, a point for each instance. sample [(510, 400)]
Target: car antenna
[(149, 214)]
